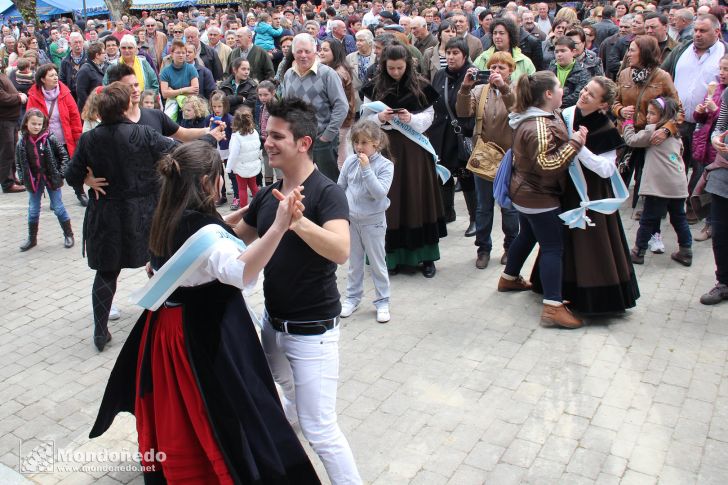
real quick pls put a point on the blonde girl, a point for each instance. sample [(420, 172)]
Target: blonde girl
[(366, 178)]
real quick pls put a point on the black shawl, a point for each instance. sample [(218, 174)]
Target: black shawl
[(603, 135)]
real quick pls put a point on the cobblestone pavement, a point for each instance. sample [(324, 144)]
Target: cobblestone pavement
[(461, 387)]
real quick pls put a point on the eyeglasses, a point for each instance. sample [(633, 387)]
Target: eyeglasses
[(177, 31)]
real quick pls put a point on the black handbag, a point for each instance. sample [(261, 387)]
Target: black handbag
[(465, 143)]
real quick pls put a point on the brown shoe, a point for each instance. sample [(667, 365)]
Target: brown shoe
[(14, 189), (705, 233), (482, 261), (558, 316), (519, 284), (683, 256)]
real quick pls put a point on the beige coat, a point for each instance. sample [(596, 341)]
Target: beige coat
[(664, 172), (223, 53), (495, 114)]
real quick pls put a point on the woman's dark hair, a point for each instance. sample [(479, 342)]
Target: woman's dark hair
[(339, 53), (444, 25), (42, 71), (32, 113), (113, 102), (667, 113), (649, 51), (531, 89), (95, 49), (411, 80), (459, 44), (243, 121), (182, 188), (510, 27), (300, 116)]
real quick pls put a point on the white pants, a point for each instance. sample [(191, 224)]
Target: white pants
[(307, 369), (367, 240)]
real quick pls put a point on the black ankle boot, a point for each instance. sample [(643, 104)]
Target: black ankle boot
[(471, 202), (448, 202), (32, 237), (68, 240)]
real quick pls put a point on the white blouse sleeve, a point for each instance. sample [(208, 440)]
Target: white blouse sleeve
[(603, 165), (222, 265), (422, 120)]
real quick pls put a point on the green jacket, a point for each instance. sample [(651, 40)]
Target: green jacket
[(523, 63), (151, 81), (56, 57)]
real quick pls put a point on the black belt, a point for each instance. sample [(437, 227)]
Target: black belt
[(317, 327)]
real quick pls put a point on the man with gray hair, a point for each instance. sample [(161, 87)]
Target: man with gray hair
[(338, 32), (261, 65), (217, 43), (421, 35), (684, 25), (205, 54), (71, 64), (319, 85), (543, 21)]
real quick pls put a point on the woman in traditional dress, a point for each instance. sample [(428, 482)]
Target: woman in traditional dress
[(193, 371), (415, 218), (598, 277)]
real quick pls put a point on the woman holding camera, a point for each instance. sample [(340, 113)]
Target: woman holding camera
[(443, 135), (499, 101)]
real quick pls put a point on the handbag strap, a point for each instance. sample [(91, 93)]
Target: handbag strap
[(454, 121), (479, 115)]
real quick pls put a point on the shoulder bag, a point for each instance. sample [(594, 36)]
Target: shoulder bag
[(486, 156), (465, 144)]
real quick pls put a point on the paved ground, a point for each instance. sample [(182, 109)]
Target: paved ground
[(462, 387)]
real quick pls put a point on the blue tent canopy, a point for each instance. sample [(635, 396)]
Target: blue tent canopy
[(49, 8)]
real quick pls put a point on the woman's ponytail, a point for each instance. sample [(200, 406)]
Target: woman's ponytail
[(531, 88)]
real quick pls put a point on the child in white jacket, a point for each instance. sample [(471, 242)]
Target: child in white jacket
[(244, 159), (366, 178)]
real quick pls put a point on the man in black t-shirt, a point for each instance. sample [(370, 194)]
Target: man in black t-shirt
[(301, 323), (154, 118)]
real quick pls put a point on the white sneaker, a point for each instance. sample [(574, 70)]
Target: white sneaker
[(347, 308), (383, 314), (655, 243), (114, 313)]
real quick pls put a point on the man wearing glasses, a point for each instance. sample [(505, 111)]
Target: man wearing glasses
[(156, 40)]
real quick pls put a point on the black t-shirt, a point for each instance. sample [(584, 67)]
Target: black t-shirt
[(299, 284), (158, 120)]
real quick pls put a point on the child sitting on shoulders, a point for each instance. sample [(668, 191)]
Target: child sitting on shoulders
[(265, 34)]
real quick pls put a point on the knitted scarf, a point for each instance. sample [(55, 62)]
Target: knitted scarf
[(35, 170), (640, 75)]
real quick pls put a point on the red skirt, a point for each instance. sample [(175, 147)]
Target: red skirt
[(172, 418)]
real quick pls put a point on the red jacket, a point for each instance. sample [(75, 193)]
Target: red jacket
[(66, 108)]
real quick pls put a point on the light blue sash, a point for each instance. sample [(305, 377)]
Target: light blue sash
[(412, 134), (577, 218), (188, 259)]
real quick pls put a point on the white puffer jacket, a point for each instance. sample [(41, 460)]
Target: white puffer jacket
[(245, 157)]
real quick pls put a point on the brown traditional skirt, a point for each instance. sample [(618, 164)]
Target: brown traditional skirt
[(415, 217)]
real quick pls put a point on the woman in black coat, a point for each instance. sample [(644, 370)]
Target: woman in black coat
[(91, 74), (442, 134), (123, 155)]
